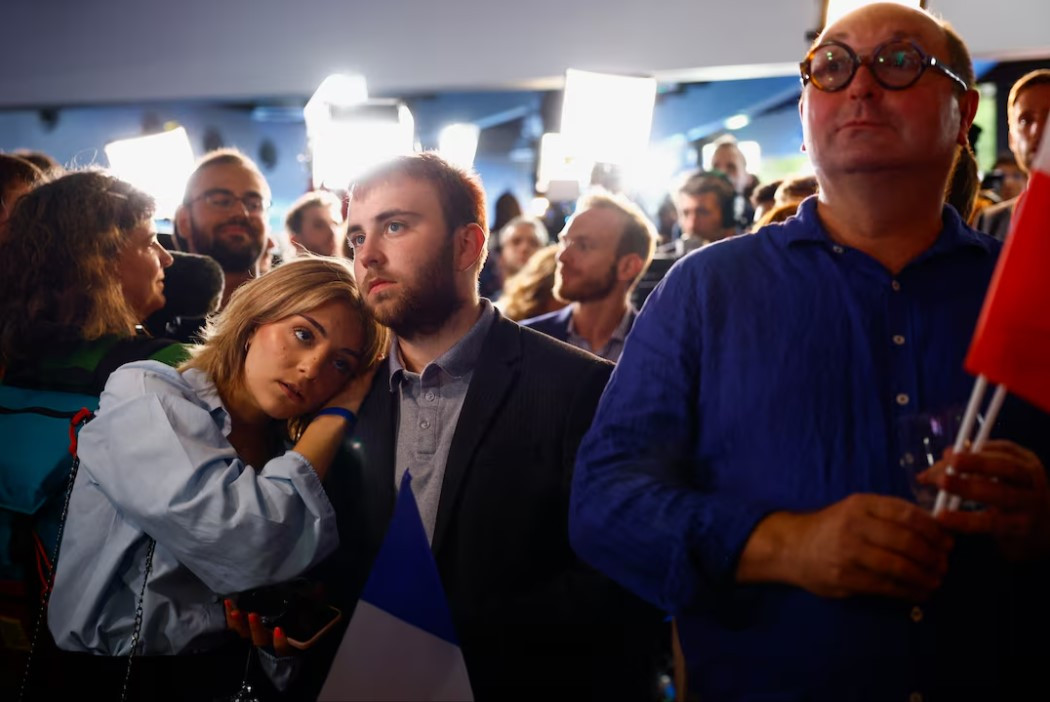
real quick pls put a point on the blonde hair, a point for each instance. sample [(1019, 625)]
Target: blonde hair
[(530, 291), (293, 288)]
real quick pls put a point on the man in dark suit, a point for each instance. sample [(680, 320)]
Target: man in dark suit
[(487, 416), (1026, 109)]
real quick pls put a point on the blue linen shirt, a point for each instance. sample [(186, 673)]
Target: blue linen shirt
[(155, 461), (771, 372)]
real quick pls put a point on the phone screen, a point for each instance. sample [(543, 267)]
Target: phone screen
[(305, 619)]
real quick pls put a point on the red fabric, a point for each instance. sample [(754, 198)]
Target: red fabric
[(1012, 343)]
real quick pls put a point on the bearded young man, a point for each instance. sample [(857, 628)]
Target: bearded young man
[(603, 251), (486, 415)]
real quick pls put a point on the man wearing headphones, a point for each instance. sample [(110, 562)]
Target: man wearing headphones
[(603, 251), (705, 212)]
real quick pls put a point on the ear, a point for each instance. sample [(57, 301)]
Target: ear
[(628, 267), (469, 241), (967, 111), (182, 226)]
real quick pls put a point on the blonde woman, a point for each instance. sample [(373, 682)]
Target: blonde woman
[(530, 292), (194, 460)]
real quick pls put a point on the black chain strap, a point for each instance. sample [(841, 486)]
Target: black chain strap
[(80, 418), (138, 619)]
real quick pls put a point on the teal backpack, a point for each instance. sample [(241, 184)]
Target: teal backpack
[(38, 428)]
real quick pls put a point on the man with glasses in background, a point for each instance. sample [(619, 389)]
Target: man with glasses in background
[(223, 215), (744, 469)]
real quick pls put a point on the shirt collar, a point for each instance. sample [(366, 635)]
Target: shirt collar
[(206, 390), (620, 333), (458, 360), (807, 227)]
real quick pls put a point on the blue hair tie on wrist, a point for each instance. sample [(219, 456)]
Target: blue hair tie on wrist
[(350, 417)]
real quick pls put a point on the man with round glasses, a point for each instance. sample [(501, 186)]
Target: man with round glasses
[(223, 215), (744, 470)]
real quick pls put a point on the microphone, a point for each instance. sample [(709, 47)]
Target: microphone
[(193, 286)]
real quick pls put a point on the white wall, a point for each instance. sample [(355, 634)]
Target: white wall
[(61, 52)]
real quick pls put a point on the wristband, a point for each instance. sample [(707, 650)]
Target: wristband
[(350, 417)]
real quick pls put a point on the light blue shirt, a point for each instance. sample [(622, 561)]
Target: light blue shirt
[(156, 461)]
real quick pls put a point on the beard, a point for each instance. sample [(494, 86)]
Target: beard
[(233, 258), (424, 304), (584, 289)]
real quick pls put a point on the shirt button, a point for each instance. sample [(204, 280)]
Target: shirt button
[(916, 614), (896, 286), (907, 459), (837, 249), (898, 339), (424, 424), (915, 697), (429, 396), (902, 399)]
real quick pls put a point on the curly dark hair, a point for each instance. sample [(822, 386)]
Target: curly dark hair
[(58, 262)]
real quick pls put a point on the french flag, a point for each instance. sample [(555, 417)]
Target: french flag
[(1011, 345), (400, 644)]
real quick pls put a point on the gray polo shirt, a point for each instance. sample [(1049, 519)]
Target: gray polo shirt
[(429, 407)]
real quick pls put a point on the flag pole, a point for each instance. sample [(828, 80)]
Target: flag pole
[(985, 431), (965, 429)]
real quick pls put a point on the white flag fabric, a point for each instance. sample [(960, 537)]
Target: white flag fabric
[(400, 644)]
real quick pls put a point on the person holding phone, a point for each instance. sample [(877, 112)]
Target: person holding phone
[(194, 460)]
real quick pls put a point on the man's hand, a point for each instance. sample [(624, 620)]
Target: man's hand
[(862, 545), (1011, 482)]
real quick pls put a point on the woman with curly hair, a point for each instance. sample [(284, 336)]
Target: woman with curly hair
[(80, 268)]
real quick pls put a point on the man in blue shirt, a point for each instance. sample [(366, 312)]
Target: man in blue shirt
[(744, 468)]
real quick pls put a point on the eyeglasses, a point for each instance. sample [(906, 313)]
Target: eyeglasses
[(224, 200), (895, 65)]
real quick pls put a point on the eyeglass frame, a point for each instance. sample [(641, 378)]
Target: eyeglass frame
[(927, 62), (263, 202)]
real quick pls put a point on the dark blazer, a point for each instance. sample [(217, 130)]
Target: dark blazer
[(554, 324), (534, 622), (995, 219)]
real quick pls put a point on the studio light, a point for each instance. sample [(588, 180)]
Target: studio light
[(350, 140), (606, 118), (737, 121), (158, 164), (560, 173), (458, 143)]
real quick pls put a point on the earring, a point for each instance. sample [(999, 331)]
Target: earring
[(246, 345)]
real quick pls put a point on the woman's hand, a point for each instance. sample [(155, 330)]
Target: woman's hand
[(353, 393), (250, 626)]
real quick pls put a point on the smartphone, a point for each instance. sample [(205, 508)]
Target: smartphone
[(303, 625), (303, 618)]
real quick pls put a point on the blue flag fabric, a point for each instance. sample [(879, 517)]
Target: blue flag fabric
[(404, 581)]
